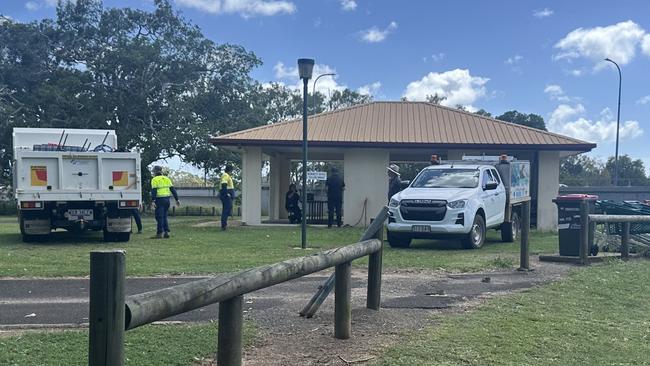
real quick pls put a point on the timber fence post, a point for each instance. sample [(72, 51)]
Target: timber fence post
[(524, 255), (229, 344), (106, 330), (625, 241), (342, 305), (373, 298)]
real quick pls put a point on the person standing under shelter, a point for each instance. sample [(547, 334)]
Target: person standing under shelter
[(161, 191), (394, 182), (335, 187), (226, 194)]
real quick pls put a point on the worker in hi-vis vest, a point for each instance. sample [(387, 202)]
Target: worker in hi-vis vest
[(161, 191), (226, 194)]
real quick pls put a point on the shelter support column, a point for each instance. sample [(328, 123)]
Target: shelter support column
[(548, 185), (366, 184), (252, 186), (279, 181)]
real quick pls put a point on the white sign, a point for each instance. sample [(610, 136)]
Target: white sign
[(317, 175)]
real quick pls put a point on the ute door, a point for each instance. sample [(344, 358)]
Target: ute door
[(489, 196), (500, 198)]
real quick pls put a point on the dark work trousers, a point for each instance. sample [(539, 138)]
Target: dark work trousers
[(334, 204), (162, 206), (136, 217), (226, 211)]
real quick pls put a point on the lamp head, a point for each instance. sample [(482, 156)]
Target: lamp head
[(305, 67)]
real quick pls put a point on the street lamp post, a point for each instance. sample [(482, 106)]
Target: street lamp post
[(305, 69), (618, 121), (313, 91)]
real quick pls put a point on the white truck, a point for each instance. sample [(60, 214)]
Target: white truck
[(74, 180), (461, 199)]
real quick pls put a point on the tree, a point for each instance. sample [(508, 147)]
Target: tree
[(583, 170), (151, 76), (630, 172), (435, 99), (530, 120), (347, 98), (483, 112), (461, 107)]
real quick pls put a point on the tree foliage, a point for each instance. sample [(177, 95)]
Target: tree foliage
[(151, 76), (434, 99), (530, 120), (583, 170)]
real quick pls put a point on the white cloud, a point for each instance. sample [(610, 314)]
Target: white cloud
[(325, 85), (374, 34), (348, 5), (563, 120), (32, 6), (370, 89), (5, 19), (544, 13), (618, 42), (437, 57), (645, 45), (458, 86), (514, 59), (643, 100), (555, 92), (245, 8)]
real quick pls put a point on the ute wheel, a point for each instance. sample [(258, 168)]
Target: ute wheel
[(476, 236), (510, 231), (116, 237), (396, 241)]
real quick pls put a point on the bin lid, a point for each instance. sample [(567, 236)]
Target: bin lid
[(577, 197)]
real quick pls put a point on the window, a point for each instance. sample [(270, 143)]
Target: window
[(495, 175), (447, 178)]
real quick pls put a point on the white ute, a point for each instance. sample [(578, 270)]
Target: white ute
[(74, 180), (461, 199)]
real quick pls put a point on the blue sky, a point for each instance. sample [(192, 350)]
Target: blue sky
[(541, 57)]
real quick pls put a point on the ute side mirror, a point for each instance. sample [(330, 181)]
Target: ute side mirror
[(404, 184), (490, 186)]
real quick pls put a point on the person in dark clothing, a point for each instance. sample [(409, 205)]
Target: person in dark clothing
[(292, 206), (394, 182), (161, 191), (227, 195), (335, 187), (138, 220)]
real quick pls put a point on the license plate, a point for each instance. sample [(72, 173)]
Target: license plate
[(421, 228), (79, 214)]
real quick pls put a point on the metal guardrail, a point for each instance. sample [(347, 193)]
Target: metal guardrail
[(112, 313)]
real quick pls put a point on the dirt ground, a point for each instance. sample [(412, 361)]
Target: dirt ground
[(409, 299)]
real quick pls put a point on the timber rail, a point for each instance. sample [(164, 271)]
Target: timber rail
[(592, 219), (112, 313)]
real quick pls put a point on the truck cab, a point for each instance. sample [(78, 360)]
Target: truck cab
[(459, 200)]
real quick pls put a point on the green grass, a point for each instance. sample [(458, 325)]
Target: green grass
[(598, 316), (148, 345), (201, 250)]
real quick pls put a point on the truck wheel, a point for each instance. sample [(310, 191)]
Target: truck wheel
[(510, 230), (476, 236), (396, 241)]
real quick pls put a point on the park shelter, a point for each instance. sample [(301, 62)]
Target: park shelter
[(367, 137)]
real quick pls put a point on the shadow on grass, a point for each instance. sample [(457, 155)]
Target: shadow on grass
[(448, 244), (55, 238)]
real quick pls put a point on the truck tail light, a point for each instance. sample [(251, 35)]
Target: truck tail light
[(31, 205), (130, 204)]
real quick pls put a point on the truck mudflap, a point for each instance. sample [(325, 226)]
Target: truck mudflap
[(36, 226), (118, 224)]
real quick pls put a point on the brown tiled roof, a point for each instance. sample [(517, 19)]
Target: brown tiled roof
[(403, 124)]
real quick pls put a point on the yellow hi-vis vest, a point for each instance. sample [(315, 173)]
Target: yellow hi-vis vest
[(162, 185)]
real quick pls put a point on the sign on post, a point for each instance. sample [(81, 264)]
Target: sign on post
[(317, 175)]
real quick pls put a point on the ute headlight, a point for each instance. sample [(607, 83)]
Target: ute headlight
[(393, 203), (457, 204)]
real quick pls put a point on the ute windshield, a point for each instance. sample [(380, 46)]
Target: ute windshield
[(447, 178)]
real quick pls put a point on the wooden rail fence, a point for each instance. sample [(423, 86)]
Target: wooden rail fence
[(112, 313)]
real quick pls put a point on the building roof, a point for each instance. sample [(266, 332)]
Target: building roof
[(403, 124)]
